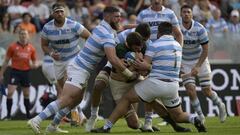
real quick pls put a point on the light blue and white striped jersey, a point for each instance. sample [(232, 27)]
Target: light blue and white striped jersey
[(166, 54), (93, 51), (217, 25), (234, 28), (65, 39), (154, 18), (194, 38), (121, 37)]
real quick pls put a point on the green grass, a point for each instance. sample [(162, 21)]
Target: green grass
[(214, 127)]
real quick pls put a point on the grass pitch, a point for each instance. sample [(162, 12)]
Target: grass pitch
[(214, 127)]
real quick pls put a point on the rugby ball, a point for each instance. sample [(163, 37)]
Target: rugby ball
[(130, 57)]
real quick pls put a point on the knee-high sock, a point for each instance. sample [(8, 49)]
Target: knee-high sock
[(58, 117), (196, 106), (51, 109), (9, 107), (216, 100), (27, 106)]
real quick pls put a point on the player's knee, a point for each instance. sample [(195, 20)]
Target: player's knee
[(207, 91)]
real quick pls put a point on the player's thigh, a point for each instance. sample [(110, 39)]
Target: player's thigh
[(76, 83), (60, 69), (119, 88), (204, 75)]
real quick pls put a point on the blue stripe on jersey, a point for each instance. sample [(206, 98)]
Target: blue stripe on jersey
[(87, 58), (93, 51), (88, 51), (66, 58), (166, 58), (48, 60), (65, 50), (100, 33), (167, 68), (82, 65)]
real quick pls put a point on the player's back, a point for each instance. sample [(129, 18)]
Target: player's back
[(93, 51), (166, 55)]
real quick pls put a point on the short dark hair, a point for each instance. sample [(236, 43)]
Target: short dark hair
[(110, 9), (165, 28), (58, 5), (26, 14), (134, 38), (186, 6), (144, 30)]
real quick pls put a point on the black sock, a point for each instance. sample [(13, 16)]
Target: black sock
[(27, 106), (9, 107), (169, 120)]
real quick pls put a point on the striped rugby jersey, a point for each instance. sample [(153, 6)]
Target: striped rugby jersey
[(93, 51), (234, 28), (122, 36), (166, 54), (65, 39), (193, 39), (154, 18), (218, 25)]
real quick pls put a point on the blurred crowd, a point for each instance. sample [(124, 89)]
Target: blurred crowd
[(218, 16)]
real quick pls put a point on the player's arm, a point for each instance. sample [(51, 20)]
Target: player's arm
[(178, 35), (201, 59), (35, 63), (44, 45), (143, 64), (85, 34), (117, 63)]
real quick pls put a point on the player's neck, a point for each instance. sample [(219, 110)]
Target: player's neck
[(187, 25)]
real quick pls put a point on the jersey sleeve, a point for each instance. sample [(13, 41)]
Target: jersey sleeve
[(203, 36), (79, 28)]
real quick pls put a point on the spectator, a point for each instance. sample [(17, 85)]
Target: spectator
[(27, 25), (176, 7), (5, 23), (4, 6), (216, 23), (39, 12), (234, 25), (20, 53), (79, 13), (133, 6), (202, 11), (16, 11)]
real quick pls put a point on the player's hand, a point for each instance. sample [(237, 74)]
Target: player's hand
[(195, 71), (134, 77), (35, 66), (140, 64)]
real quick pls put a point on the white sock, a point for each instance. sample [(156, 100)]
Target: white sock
[(197, 107)]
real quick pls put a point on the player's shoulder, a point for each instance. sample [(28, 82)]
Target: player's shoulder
[(198, 26), (168, 10)]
